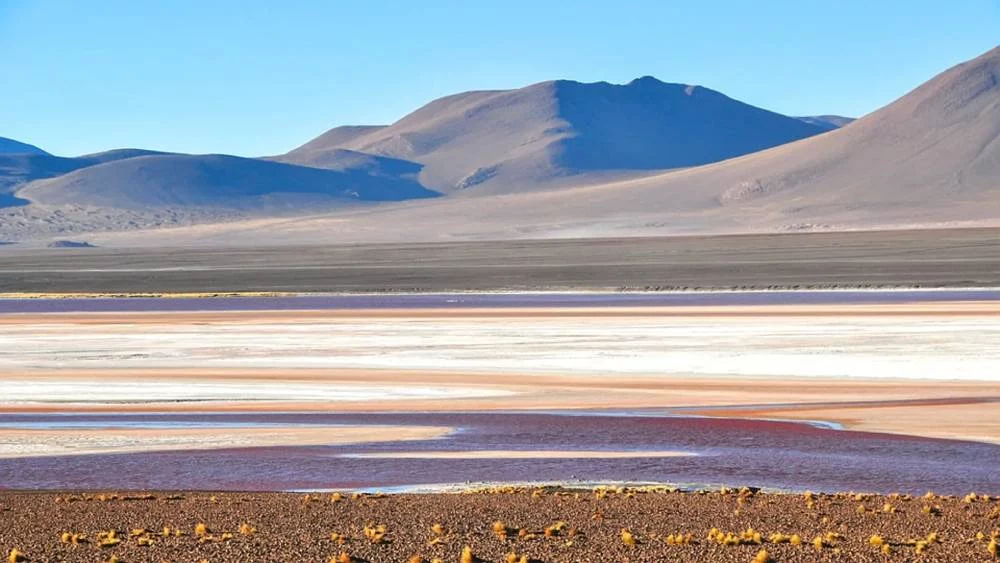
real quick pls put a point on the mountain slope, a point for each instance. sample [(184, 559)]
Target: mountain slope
[(931, 158), (552, 133), (213, 181), (827, 122), (18, 169), (10, 146)]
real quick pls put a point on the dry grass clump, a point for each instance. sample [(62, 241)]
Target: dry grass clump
[(344, 557), (679, 539), (16, 556), (746, 537), (992, 548), (376, 534), (555, 529), (500, 530), (246, 529), (108, 539), (200, 529), (467, 555), (628, 538), (762, 557)]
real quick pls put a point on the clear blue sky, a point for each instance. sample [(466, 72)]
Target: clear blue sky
[(255, 77)]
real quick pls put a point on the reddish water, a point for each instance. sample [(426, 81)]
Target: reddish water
[(732, 452)]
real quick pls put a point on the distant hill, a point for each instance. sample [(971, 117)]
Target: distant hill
[(929, 159), (10, 146), (560, 132), (18, 169), (828, 122), (214, 181)]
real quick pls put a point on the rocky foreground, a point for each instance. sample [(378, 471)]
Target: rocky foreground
[(499, 525)]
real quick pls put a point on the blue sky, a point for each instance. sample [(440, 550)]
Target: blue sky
[(255, 77)]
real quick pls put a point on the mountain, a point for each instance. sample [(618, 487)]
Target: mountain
[(931, 158), (21, 168), (10, 146), (562, 132), (214, 181), (827, 122)]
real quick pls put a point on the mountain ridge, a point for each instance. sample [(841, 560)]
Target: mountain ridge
[(527, 137)]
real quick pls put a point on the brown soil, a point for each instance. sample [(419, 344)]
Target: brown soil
[(290, 528)]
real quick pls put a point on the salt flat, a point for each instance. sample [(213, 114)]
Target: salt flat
[(834, 343), (920, 368)]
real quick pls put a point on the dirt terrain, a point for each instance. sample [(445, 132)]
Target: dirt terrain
[(534, 525), (925, 258)]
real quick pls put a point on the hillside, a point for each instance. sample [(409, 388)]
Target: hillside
[(827, 122), (563, 132), (214, 181), (10, 146), (931, 158)]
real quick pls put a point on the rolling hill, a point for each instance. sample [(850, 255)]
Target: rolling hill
[(214, 181), (562, 133), (931, 158)]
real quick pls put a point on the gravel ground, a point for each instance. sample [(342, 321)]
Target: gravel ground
[(294, 527)]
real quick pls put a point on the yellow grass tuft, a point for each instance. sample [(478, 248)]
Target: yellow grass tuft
[(876, 541), (819, 543), (467, 555), (795, 539), (992, 548), (336, 497), (16, 556), (438, 530), (500, 530), (888, 508), (887, 549), (200, 529), (628, 538), (145, 542), (415, 559), (344, 557), (375, 534), (762, 557), (555, 529), (246, 529)]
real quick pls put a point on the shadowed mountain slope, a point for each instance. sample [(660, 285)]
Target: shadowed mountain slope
[(214, 181), (553, 133), (827, 122), (10, 146)]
